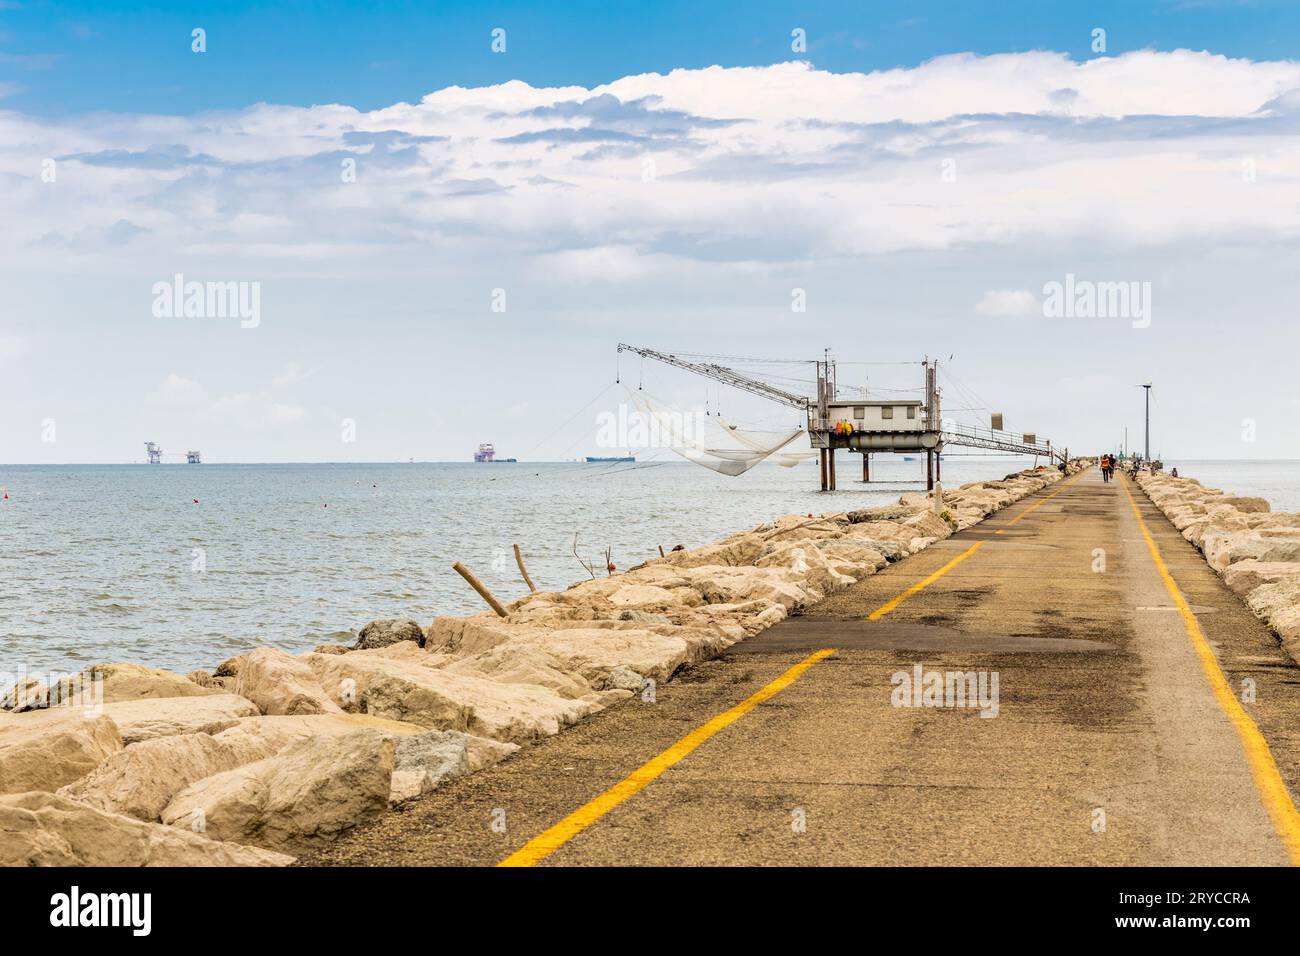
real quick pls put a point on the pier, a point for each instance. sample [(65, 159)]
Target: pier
[(1142, 716), (865, 425)]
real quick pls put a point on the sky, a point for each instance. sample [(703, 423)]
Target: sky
[(443, 218)]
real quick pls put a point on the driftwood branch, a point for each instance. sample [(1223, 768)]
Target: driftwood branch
[(586, 566), (478, 586), (519, 560)]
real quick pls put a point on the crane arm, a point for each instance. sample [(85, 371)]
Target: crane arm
[(727, 376)]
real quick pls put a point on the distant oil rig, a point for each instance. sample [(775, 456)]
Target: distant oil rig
[(488, 452), (155, 454)]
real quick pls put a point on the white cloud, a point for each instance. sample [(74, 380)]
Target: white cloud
[(1009, 302), (178, 391), (294, 374), (729, 167), (281, 414)]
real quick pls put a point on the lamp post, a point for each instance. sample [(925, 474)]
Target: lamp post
[(1147, 442)]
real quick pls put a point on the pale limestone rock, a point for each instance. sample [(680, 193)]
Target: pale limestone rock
[(1245, 504), (408, 690), (281, 684), (516, 662), (46, 749), (1223, 548), (483, 752), (43, 829), (124, 681), (304, 796), (642, 595), (26, 694), (1244, 576), (141, 780), (164, 717)]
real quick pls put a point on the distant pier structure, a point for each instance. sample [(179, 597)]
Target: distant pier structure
[(193, 458), (486, 452), (867, 426)]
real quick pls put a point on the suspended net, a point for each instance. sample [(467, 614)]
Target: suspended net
[(716, 444)]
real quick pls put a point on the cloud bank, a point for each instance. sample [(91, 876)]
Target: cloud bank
[(658, 173)]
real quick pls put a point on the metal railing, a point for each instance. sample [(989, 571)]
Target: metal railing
[(973, 436)]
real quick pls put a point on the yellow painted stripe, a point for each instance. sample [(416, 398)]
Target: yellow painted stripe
[(890, 605), (545, 844), (924, 583), (1268, 779), (1044, 500)]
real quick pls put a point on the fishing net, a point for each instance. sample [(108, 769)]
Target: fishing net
[(715, 444)]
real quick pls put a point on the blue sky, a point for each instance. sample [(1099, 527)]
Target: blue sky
[(77, 57), (447, 244)]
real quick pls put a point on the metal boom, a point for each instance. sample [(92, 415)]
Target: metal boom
[(727, 376)]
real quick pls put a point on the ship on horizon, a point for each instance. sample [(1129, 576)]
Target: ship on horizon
[(487, 452), (594, 458)]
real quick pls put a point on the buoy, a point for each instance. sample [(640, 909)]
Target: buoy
[(610, 567)]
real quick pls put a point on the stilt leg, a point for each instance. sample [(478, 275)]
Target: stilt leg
[(866, 466), (929, 470), (821, 458), (831, 454)]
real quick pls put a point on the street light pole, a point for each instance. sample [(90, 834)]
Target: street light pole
[(1147, 443)]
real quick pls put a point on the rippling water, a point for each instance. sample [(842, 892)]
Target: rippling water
[(120, 563)]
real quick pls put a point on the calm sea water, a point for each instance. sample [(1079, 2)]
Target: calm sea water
[(121, 563)]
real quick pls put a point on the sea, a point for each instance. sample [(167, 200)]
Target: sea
[(183, 566)]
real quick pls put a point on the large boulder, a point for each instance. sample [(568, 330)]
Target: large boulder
[(1223, 548), (47, 749), (123, 681), (281, 684), (382, 633), (404, 686), (1244, 576), (141, 780), (304, 796), (164, 717), (43, 829)]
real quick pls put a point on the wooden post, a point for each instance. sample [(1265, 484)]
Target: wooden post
[(831, 453), (938, 465), (478, 586), (866, 466), (519, 560), (821, 458), (929, 470)]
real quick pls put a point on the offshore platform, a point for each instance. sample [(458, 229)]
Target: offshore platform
[(155, 455)]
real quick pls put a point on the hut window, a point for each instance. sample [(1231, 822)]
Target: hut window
[(887, 411), (859, 411), (911, 411)]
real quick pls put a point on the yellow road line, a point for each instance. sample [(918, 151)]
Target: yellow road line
[(1045, 499), (1268, 779), (888, 606), (543, 845), (547, 842), (925, 582)]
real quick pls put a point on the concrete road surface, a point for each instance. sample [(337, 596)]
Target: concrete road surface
[(1100, 724)]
